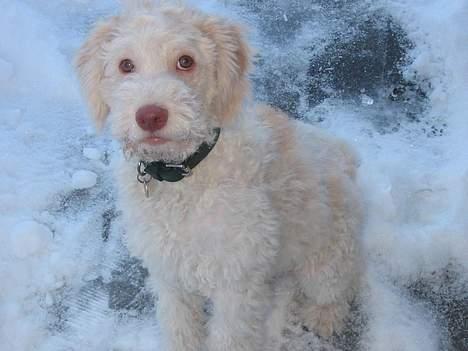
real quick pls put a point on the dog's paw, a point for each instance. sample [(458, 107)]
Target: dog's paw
[(324, 320)]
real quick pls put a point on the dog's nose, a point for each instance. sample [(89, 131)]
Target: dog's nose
[(151, 117)]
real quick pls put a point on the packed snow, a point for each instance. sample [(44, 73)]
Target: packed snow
[(83, 179), (68, 282), (29, 238), (92, 153)]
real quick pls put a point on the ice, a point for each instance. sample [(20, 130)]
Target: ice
[(30, 238), (84, 179), (366, 100)]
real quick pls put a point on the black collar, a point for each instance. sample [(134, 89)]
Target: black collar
[(173, 172)]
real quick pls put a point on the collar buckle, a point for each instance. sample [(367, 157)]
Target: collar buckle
[(187, 172)]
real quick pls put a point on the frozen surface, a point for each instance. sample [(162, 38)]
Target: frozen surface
[(390, 76)]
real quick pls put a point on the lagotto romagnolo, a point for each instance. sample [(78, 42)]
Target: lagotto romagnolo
[(267, 224)]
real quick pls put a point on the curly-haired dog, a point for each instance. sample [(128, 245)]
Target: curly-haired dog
[(242, 206)]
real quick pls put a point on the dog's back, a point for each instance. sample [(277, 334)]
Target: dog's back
[(314, 191), (290, 135)]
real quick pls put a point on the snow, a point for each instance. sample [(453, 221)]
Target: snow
[(366, 100), (33, 50), (92, 153), (6, 71), (11, 117), (30, 238), (396, 324), (67, 280), (83, 179)]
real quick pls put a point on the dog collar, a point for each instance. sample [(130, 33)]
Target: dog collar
[(172, 171)]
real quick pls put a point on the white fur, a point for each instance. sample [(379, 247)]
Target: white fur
[(272, 214)]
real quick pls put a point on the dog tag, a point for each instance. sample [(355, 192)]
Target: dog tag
[(143, 178), (146, 187)]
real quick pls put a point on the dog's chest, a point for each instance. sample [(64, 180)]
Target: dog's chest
[(183, 237)]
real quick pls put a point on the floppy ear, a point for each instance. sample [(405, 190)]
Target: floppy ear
[(232, 66), (90, 67)]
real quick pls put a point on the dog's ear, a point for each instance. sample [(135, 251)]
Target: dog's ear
[(90, 66), (232, 66)]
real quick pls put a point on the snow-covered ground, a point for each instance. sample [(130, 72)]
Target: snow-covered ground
[(67, 282)]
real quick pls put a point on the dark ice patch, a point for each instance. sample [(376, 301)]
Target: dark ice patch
[(127, 287)]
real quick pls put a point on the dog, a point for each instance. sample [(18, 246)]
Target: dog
[(224, 200)]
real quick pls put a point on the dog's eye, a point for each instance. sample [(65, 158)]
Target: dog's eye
[(185, 63), (126, 66)]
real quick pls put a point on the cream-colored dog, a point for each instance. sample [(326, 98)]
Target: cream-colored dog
[(267, 214)]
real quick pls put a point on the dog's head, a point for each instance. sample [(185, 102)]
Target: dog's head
[(165, 77)]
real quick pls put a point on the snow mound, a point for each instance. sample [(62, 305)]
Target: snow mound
[(84, 179), (91, 153), (30, 238), (33, 50)]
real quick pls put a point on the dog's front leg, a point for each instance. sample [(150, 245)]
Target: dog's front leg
[(181, 318), (239, 320)]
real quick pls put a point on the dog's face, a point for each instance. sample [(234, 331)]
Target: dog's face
[(165, 78)]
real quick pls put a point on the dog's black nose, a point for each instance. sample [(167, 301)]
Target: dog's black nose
[(152, 117)]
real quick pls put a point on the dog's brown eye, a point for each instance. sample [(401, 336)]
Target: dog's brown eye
[(185, 63), (126, 66)]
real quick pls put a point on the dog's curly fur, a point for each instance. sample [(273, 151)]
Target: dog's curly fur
[(271, 215)]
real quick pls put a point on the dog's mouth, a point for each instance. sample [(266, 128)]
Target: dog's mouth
[(155, 147), (165, 145), (155, 140)]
